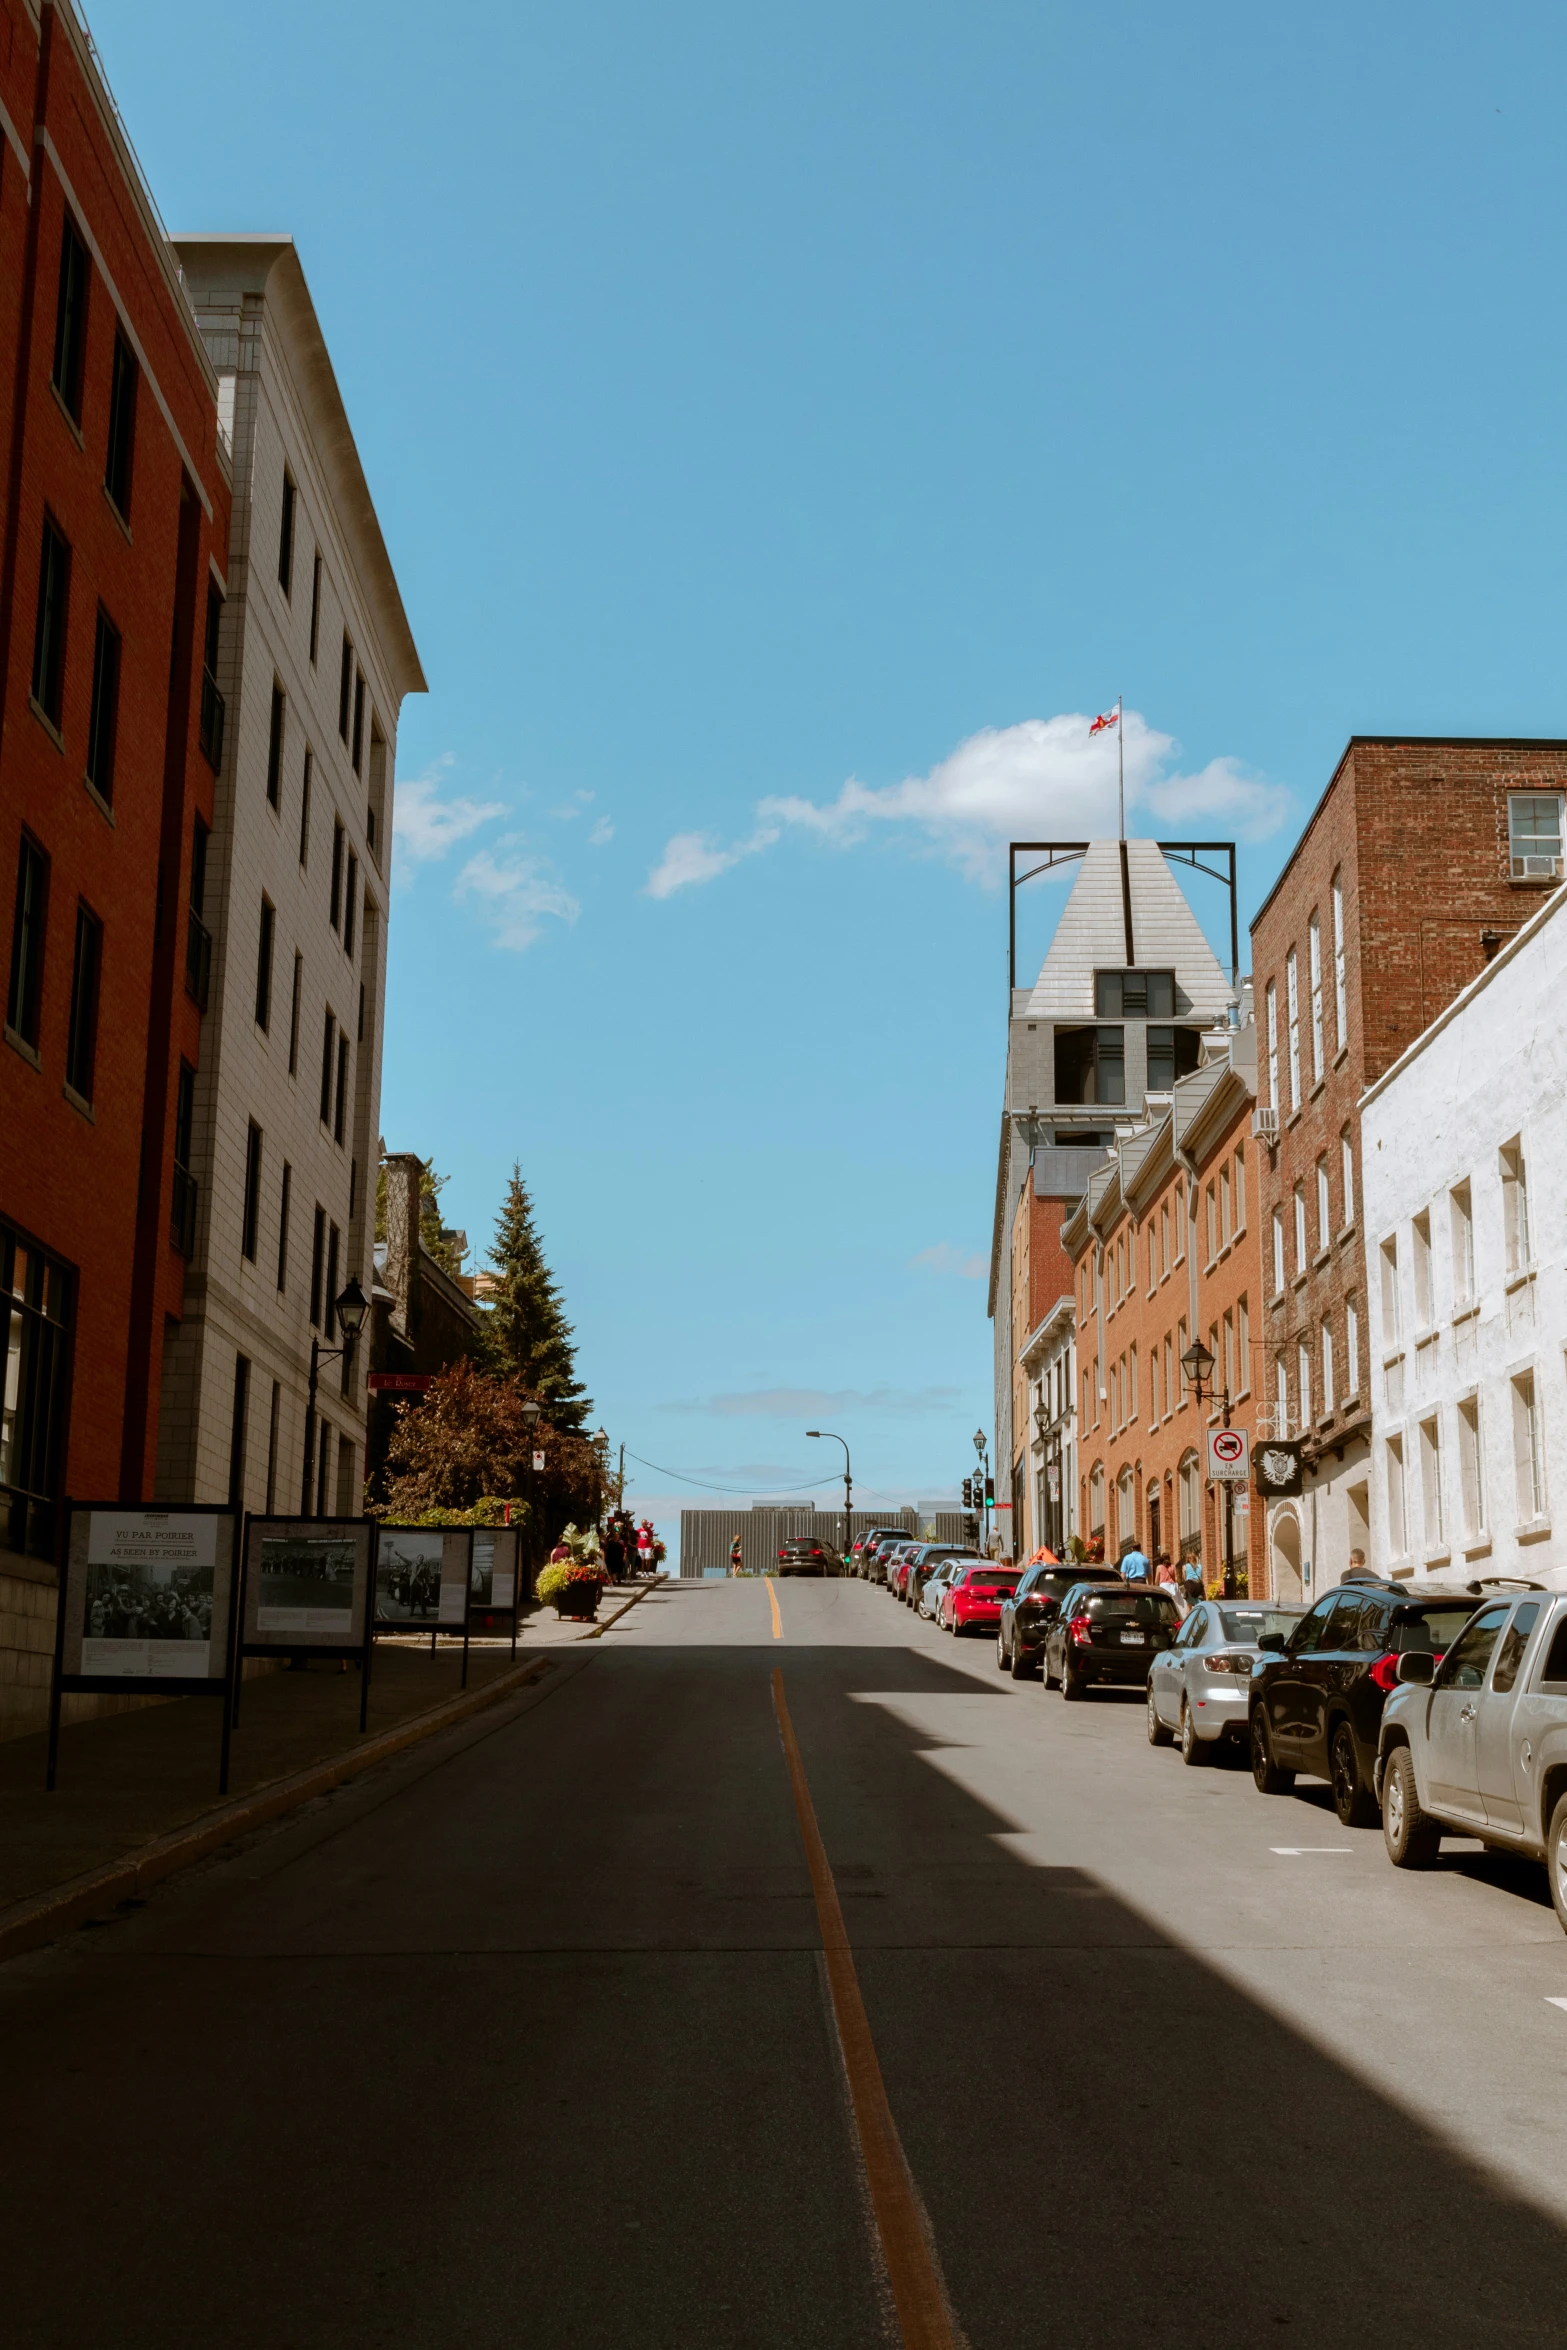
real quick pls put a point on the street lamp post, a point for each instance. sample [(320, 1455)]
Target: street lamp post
[(350, 1306), (984, 1501), (530, 1421), (1041, 1423), (848, 1490), (1197, 1363)]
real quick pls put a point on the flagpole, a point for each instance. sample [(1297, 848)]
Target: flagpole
[(1120, 746)]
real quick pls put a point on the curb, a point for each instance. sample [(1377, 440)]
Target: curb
[(31, 1923), (610, 1622)]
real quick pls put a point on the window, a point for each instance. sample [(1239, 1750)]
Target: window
[(1172, 1053), (1230, 1382), (1169, 1384), (1420, 1230), (1460, 1201), (36, 1311), (350, 895), (1131, 995), (1340, 990), (1398, 1540), (328, 1042), (1226, 1220), (1281, 1385), (198, 939), (345, 687), (122, 428), (1510, 1655), (304, 815), (251, 1219), (1240, 1191), (1189, 1502), (357, 753), (1164, 1239), (329, 1302), (1534, 835), (1292, 990), (1352, 1347), (54, 582), (1471, 1466), (81, 1049), (104, 717), (1301, 1247), (336, 903), (1132, 1366), (1303, 1381), (27, 942), (70, 319), (1096, 1499), (1213, 1224), (272, 1435), (213, 707), (285, 540), (1153, 1386), (315, 607), (285, 1198), (1346, 1151), (1178, 1207), (1528, 1459), (317, 1266), (293, 1014), (275, 745), (264, 966), (1278, 1250), (1327, 1368), (1515, 1206), (1091, 1065), (1324, 1206), (182, 1212), (1314, 968), (1243, 1345), (1180, 1351), (1431, 1480), (1273, 1044), (342, 1088), (1153, 1256), (1392, 1300)]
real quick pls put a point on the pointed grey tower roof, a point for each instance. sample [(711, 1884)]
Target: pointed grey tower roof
[(1091, 935)]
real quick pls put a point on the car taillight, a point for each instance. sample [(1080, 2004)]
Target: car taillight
[(1078, 1630), (1384, 1673), (1227, 1664), (783, 1554)]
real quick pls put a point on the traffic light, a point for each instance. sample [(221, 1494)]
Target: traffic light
[(990, 1492), (968, 1493), (971, 1530)]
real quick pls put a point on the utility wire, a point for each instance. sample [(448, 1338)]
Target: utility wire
[(707, 1486)]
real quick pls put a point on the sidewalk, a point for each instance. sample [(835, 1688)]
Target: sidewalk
[(132, 1779)]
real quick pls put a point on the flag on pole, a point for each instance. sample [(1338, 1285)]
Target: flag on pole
[(1106, 718)]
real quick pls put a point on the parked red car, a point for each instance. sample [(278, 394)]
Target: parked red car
[(975, 1598)]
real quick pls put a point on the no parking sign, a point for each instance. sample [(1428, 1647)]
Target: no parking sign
[(1229, 1454)]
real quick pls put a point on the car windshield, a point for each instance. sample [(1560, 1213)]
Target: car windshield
[(1250, 1623), (1130, 1607)]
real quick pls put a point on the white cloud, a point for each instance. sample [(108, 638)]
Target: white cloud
[(603, 831), (518, 893), (696, 856), (944, 1258), (1043, 777), (425, 826)]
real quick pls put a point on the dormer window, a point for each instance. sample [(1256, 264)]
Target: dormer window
[(1134, 995)]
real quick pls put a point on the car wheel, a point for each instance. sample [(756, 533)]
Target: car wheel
[(1193, 1751), (1023, 1665), (1158, 1733), (1352, 1798), (1072, 1684), (1556, 1860), (1410, 1834), (1045, 1674), (1269, 1777), (1003, 1661)]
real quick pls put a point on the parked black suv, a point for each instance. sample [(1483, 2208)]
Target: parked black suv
[(1027, 1611), (802, 1554), (1317, 1695), (1107, 1632)]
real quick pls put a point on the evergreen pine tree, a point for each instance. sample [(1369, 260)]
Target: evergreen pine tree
[(530, 1335)]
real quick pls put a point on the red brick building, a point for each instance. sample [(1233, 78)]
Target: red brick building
[(1421, 857), (115, 530)]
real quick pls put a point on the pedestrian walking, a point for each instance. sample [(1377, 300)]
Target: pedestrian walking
[(1134, 1565), (736, 1556), (1192, 1577)]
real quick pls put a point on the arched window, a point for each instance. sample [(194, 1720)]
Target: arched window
[(1096, 1499), (1189, 1491), (1125, 1508)]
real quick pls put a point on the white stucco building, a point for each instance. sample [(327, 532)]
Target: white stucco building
[(310, 647), (1464, 1143)]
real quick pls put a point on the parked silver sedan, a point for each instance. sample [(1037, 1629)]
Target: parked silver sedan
[(1197, 1689), (934, 1585)]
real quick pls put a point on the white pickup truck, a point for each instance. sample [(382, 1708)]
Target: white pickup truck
[(1476, 1744)]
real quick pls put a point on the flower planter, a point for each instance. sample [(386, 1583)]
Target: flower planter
[(578, 1599)]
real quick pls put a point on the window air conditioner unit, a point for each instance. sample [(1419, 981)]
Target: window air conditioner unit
[(1265, 1122), (1537, 868)]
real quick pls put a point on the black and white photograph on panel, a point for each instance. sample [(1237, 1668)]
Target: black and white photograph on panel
[(149, 1594), (305, 1581), (408, 1575), (492, 1578)]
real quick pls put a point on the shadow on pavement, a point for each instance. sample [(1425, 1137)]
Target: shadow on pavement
[(533, 2047)]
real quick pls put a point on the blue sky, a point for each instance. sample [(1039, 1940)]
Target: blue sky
[(788, 426)]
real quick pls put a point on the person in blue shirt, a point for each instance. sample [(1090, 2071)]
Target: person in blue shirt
[(1134, 1565)]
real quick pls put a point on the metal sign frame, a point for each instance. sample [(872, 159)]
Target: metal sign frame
[(297, 1650), (389, 1629), (1232, 1472)]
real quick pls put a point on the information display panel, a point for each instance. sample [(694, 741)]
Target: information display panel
[(494, 1582), (306, 1589)]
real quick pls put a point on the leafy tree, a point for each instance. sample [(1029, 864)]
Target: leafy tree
[(529, 1333), (468, 1443)]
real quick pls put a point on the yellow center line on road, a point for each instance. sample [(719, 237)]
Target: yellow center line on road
[(772, 1601), (924, 2318)]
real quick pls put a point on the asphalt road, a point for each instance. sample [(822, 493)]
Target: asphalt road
[(528, 2040)]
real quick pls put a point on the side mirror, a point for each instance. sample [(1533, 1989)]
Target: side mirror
[(1274, 1643), (1416, 1668)]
